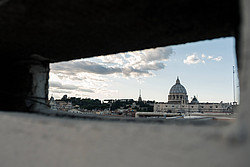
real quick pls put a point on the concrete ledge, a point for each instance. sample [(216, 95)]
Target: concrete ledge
[(38, 140)]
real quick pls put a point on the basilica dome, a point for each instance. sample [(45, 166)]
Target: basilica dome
[(177, 88), (178, 94)]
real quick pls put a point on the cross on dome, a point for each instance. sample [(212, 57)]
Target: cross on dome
[(177, 80)]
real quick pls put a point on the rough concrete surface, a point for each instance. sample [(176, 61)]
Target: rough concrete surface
[(43, 31), (34, 140), (54, 29), (63, 30)]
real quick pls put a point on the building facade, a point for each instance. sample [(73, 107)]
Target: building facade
[(178, 102)]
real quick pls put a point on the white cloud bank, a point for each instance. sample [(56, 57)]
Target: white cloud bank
[(219, 58), (192, 59), (195, 59), (129, 64), (88, 75), (137, 63)]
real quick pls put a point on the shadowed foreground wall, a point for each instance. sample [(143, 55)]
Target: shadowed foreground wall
[(39, 140), (33, 140), (44, 31), (64, 30)]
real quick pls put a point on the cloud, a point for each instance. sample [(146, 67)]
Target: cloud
[(210, 57), (92, 67), (58, 85), (147, 55), (129, 64), (219, 58), (112, 59), (152, 66), (86, 90), (158, 54), (84, 66), (59, 91), (55, 84), (93, 75), (192, 59), (73, 68), (130, 71)]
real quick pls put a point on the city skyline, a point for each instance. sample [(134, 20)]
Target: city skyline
[(204, 68)]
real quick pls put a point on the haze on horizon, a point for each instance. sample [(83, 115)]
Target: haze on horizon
[(204, 69)]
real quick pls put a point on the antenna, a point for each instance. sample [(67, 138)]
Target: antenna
[(233, 84)]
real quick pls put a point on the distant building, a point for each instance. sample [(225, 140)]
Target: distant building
[(178, 94), (140, 99), (178, 102), (128, 107), (59, 104), (52, 103)]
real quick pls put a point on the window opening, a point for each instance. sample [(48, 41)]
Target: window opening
[(149, 83)]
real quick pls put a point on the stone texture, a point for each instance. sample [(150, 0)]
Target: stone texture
[(24, 84), (34, 140), (64, 30), (244, 70), (58, 30)]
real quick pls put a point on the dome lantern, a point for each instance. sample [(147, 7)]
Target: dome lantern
[(178, 81)]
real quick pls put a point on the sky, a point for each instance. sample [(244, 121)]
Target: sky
[(204, 69)]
